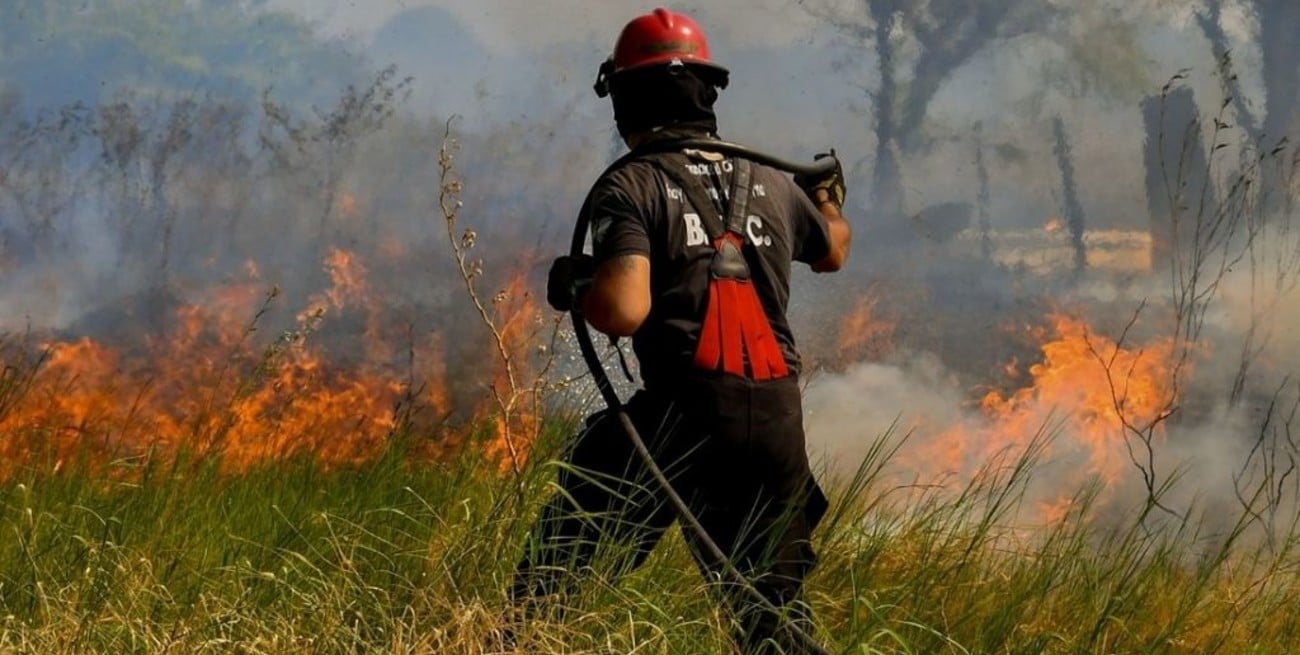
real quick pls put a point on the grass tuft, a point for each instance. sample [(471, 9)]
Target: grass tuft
[(394, 556)]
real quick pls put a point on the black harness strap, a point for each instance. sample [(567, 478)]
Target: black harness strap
[(728, 262), (736, 335)]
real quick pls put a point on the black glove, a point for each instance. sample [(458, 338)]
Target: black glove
[(569, 278), (832, 182)]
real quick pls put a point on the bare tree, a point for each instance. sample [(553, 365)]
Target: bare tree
[(38, 178), (1218, 225), (918, 45), (945, 34), (1276, 22), (318, 150)]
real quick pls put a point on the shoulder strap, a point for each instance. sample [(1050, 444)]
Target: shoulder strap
[(737, 201), (739, 197), (658, 154)]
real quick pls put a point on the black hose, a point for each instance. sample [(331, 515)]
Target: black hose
[(607, 391)]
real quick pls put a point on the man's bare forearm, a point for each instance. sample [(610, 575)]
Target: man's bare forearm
[(837, 229)]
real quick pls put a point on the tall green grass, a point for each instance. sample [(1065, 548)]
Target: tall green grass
[(400, 555)]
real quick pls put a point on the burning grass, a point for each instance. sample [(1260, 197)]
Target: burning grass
[(210, 491), (209, 383), (404, 555), (264, 474)]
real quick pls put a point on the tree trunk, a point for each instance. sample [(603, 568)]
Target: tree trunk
[(982, 201), (1279, 25), (1074, 218), (1211, 24), (886, 182), (1178, 189)]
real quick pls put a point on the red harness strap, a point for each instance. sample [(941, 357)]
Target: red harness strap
[(736, 328), (736, 336)]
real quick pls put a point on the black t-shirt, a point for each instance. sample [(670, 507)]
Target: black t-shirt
[(637, 209)]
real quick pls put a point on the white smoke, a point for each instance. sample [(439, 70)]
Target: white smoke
[(845, 413), (1228, 452)]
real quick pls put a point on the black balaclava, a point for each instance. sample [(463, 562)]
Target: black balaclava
[(675, 97)]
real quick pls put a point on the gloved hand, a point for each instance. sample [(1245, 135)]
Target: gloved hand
[(569, 278), (832, 182)]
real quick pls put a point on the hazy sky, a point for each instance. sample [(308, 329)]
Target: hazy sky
[(475, 56), (508, 26), (798, 88)]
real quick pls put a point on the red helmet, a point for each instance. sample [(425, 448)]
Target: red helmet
[(660, 37)]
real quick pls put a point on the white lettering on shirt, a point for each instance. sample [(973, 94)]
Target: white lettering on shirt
[(705, 169), (695, 234), (753, 228)]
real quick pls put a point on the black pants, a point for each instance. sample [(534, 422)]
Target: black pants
[(734, 450)]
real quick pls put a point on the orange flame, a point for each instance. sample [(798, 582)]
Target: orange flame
[(206, 386), (518, 320), (864, 334), (1101, 392), (347, 284)]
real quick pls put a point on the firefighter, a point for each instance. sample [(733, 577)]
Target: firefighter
[(692, 254)]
